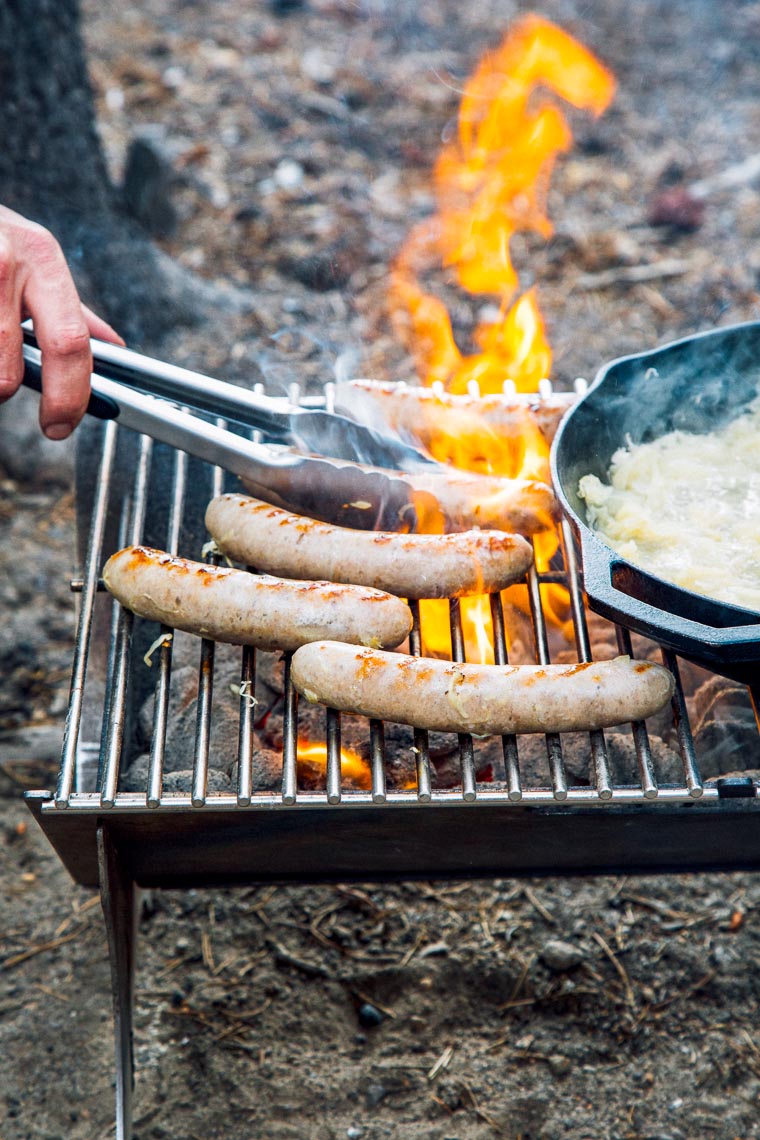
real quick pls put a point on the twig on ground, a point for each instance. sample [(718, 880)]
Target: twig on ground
[(284, 958), (536, 903), (621, 970)]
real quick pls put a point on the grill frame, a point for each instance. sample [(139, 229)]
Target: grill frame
[(95, 799), (123, 841)]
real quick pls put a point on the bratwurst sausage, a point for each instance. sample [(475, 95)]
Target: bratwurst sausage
[(409, 565), (493, 431), (439, 501), (482, 699), (251, 609)]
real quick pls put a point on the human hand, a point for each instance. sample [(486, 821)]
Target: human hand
[(35, 282)]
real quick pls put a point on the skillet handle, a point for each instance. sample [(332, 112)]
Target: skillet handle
[(683, 634)]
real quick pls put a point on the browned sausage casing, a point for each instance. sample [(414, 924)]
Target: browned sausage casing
[(446, 500), (498, 425), (251, 609), (409, 565), (482, 699)]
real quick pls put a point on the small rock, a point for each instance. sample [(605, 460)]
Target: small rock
[(559, 1065), (675, 207), (559, 956), (370, 1016), (374, 1094), (289, 174), (354, 1132)]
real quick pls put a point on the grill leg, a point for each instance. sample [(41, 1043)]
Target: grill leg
[(119, 897)]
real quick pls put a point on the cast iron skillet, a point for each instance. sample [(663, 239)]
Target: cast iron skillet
[(695, 384)]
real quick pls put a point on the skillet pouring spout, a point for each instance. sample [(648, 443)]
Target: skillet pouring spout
[(696, 385)]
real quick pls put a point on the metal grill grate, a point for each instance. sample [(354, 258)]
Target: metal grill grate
[(80, 787), (419, 815)]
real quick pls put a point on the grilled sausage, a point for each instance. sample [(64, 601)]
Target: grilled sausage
[(441, 501), (494, 428), (481, 699), (455, 500), (250, 609), (411, 566)]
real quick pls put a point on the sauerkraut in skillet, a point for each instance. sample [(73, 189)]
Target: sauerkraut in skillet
[(687, 508)]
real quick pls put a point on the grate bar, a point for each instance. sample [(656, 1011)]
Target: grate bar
[(113, 730), (205, 679), (683, 731), (333, 756), (466, 755), (163, 680), (84, 625), (640, 734), (421, 738), (377, 760), (245, 737), (553, 741), (203, 723), (289, 736), (508, 743)]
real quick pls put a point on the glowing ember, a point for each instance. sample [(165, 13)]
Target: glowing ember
[(311, 760), (490, 183)]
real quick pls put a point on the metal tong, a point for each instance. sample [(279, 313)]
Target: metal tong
[(328, 483)]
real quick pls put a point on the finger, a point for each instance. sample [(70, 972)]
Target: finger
[(11, 363), (51, 298), (100, 328)]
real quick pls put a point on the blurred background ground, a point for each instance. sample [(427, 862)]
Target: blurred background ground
[(296, 143)]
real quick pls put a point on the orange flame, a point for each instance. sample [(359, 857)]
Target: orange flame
[(311, 758), (490, 183)]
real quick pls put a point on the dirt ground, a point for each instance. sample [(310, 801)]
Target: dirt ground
[(299, 141)]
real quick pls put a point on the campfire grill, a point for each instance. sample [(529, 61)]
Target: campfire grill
[(121, 840)]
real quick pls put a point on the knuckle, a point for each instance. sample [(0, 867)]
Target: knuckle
[(68, 341), (7, 262), (41, 244), (10, 382)]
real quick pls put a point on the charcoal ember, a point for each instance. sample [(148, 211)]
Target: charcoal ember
[(266, 769), (186, 653), (729, 745), (726, 738), (624, 769), (135, 779), (182, 714), (533, 761), (445, 765), (400, 754), (576, 754), (718, 698), (270, 673), (311, 725)]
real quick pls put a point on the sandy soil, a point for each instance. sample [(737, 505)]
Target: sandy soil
[(590, 1009)]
